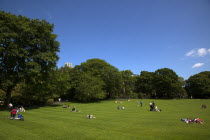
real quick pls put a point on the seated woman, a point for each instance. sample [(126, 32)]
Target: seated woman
[(73, 109), (13, 113)]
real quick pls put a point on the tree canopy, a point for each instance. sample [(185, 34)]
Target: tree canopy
[(106, 72), (198, 85), (28, 49)]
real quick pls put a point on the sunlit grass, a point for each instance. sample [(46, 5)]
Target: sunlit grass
[(135, 122)]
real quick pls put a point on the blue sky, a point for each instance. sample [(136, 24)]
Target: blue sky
[(136, 35)]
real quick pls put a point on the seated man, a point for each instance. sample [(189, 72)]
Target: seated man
[(73, 109)]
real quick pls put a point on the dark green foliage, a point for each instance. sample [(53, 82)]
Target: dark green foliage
[(128, 83), (89, 88), (107, 73), (167, 84), (85, 87), (198, 85), (144, 85), (28, 51)]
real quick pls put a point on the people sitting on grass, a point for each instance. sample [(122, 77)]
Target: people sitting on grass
[(204, 106), (121, 107), (90, 117)]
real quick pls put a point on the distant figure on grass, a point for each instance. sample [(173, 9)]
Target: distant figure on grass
[(151, 107), (204, 106), (22, 109), (197, 120), (156, 109), (59, 99), (123, 107), (118, 107), (64, 106), (153, 104), (141, 103), (10, 106), (13, 113), (90, 117), (73, 109), (190, 121)]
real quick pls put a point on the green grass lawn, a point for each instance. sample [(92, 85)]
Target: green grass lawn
[(135, 122)]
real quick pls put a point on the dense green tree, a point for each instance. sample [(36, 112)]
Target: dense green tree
[(166, 83), (103, 70), (27, 49), (56, 85), (144, 85), (89, 88), (198, 85), (85, 87), (128, 80)]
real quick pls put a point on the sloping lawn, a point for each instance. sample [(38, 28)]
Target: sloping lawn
[(135, 122)]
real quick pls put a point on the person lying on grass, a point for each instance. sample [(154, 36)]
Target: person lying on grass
[(190, 121), (90, 117), (64, 106), (197, 120)]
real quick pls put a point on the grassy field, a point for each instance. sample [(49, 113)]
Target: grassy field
[(135, 122)]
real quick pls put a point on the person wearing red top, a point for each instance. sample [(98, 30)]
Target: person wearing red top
[(13, 113)]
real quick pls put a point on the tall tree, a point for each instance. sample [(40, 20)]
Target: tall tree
[(28, 49), (108, 73), (144, 84), (166, 83), (198, 85), (128, 83)]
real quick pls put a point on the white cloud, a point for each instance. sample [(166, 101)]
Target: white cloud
[(190, 53), (201, 52), (197, 65)]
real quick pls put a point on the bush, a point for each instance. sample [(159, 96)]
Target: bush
[(50, 101)]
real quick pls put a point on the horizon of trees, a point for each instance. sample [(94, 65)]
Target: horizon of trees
[(29, 75)]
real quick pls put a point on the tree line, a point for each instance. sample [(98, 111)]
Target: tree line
[(29, 75)]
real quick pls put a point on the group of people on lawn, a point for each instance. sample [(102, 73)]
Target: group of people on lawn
[(190, 121), (15, 110)]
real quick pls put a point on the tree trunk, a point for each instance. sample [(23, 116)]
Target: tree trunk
[(8, 97)]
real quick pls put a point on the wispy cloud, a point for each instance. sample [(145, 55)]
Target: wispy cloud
[(190, 53), (197, 65), (201, 52)]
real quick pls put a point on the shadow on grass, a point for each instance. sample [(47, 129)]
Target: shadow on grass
[(2, 108)]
